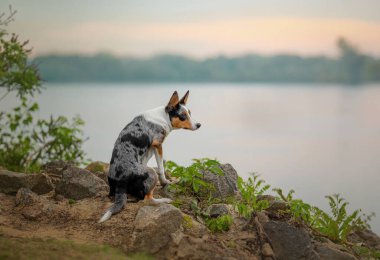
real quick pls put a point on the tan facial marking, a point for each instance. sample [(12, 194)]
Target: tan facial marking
[(177, 123)]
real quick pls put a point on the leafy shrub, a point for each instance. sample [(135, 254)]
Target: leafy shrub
[(191, 179), (340, 224), (249, 191), (219, 224), (26, 142), (336, 226)]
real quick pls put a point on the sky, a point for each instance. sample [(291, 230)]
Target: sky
[(195, 28)]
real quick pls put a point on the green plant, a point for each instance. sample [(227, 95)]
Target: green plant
[(366, 252), (288, 197), (72, 201), (219, 224), (27, 142), (338, 225), (191, 179), (249, 191), (187, 222)]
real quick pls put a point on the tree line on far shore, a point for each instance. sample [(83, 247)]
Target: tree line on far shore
[(351, 67)]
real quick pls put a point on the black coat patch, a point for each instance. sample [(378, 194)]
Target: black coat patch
[(114, 155), (142, 141), (119, 171)]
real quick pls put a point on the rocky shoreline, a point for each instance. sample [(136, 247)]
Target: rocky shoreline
[(65, 202)]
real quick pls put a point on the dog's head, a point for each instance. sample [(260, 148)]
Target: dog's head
[(179, 114)]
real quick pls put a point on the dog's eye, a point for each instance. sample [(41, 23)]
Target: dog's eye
[(182, 117)]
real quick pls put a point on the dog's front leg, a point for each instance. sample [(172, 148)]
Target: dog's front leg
[(160, 165)]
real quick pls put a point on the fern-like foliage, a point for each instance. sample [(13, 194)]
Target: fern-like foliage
[(337, 225), (191, 179), (249, 192), (340, 223)]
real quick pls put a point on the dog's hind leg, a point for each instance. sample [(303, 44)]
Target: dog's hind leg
[(150, 184), (120, 200)]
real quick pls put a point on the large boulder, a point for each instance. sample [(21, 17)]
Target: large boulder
[(226, 184), (289, 242), (76, 183), (11, 182), (155, 226), (294, 242)]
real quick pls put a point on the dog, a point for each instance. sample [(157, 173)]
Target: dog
[(136, 144)]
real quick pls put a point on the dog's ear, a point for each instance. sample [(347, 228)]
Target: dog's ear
[(173, 102), (183, 100)]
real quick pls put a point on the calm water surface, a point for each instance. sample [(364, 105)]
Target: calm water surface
[(316, 140)]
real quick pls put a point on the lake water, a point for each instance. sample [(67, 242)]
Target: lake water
[(317, 140)]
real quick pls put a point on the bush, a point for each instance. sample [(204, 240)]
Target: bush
[(27, 142), (249, 191), (337, 225), (191, 179), (219, 224)]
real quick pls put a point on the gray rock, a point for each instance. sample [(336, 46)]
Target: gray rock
[(11, 182), (76, 183), (277, 205), (225, 185), (55, 169), (26, 197), (217, 210), (369, 238), (329, 251), (155, 226), (288, 242)]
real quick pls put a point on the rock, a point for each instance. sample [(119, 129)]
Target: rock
[(267, 251), (288, 242), (11, 182), (330, 251), (155, 226), (32, 212), (269, 198), (263, 218), (29, 204), (25, 197), (217, 210), (277, 205), (225, 185), (369, 238), (76, 183), (55, 169), (100, 169)]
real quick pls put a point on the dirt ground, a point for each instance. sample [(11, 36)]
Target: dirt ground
[(64, 220), (69, 229)]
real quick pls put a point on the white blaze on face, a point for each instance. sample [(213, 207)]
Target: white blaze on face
[(194, 124)]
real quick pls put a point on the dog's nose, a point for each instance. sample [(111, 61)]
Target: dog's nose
[(198, 125)]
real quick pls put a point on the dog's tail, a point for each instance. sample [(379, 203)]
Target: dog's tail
[(120, 200), (121, 195)]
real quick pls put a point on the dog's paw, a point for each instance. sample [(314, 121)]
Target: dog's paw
[(163, 200)]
